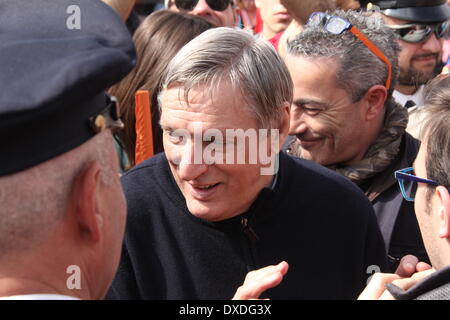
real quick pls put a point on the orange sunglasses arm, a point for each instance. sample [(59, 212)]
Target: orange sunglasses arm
[(369, 44)]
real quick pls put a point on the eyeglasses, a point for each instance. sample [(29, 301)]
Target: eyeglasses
[(337, 25), (408, 183), (189, 5), (109, 118), (416, 33)]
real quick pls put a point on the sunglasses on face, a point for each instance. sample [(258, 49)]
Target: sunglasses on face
[(189, 5), (416, 33), (337, 25)]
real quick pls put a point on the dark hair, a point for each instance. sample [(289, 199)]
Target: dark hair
[(437, 131), (159, 37)]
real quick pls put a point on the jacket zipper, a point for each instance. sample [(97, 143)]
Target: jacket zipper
[(250, 245)]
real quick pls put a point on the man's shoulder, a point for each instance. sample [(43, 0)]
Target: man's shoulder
[(316, 179), (314, 188), (151, 166), (149, 174)]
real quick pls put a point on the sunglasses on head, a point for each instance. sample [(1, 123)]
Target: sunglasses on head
[(189, 5), (416, 33), (337, 25)]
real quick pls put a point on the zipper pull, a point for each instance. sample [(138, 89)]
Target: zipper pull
[(248, 230)]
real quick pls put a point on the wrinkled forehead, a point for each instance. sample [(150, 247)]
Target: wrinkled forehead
[(212, 92)]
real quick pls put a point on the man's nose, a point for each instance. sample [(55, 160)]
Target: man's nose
[(191, 165), (202, 8), (297, 123)]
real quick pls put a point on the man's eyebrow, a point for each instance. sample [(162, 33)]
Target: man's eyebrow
[(299, 102), (164, 126)]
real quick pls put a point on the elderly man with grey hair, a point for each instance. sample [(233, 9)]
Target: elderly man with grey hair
[(223, 200), (344, 68)]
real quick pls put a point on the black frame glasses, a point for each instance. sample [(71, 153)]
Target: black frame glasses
[(416, 33), (189, 5)]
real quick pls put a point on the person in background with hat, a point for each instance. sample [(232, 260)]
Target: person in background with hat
[(420, 26), (62, 214), (220, 13)]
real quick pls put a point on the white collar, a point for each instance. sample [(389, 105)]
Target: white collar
[(417, 97)]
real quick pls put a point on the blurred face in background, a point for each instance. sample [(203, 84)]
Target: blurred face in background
[(225, 18), (347, 4), (275, 17), (248, 5)]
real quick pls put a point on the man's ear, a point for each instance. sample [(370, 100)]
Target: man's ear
[(85, 200), (374, 100), (443, 203)]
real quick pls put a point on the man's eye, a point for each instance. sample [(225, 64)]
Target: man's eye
[(174, 137), (311, 111)]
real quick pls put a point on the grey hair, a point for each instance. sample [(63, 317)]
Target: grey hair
[(250, 65), (358, 68), (34, 201)]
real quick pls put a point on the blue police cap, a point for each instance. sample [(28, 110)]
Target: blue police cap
[(421, 11), (57, 58)]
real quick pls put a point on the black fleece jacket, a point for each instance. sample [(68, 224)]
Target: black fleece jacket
[(316, 220)]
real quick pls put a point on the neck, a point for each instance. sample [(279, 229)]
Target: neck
[(267, 34), (406, 90), (375, 131), (43, 275), (12, 286)]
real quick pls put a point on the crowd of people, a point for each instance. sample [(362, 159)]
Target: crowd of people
[(296, 147)]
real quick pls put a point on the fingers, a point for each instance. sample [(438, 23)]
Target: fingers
[(422, 266), (258, 281), (376, 286), (407, 266), (376, 290)]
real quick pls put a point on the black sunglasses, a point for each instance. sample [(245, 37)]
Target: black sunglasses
[(189, 5), (416, 33)]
